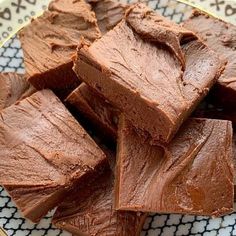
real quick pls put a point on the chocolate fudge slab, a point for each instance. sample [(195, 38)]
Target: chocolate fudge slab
[(209, 111), (141, 73), (13, 87), (191, 175), (50, 42), (108, 13), (44, 151), (95, 108), (90, 212), (220, 36)]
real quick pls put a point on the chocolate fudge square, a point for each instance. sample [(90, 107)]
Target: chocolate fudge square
[(90, 211), (139, 67), (193, 174), (13, 87), (50, 42), (220, 36), (44, 152), (96, 109)]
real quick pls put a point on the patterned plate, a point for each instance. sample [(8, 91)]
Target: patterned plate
[(11, 59)]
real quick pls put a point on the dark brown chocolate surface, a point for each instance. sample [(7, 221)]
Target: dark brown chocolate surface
[(44, 151), (94, 107), (191, 175), (108, 13), (50, 41), (89, 211), (220, 36), (13, 87), (141, 72)]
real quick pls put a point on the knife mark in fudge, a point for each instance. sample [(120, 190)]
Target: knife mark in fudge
[(50, 42), (44, 151), (89, 211), (138, 74), (108, 13), (95, 108), (221, 37), (191, 175), (13, 87)]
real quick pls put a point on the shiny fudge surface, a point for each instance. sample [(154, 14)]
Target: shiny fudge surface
[(90, 211), (193, 174), (153, 70), (13, 87), (44, 151), (96, 109), (50, 42), (108, 13), (220, 36)]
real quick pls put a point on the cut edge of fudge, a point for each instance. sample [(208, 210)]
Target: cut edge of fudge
[(94, 107), (46, 200), (49, 79)]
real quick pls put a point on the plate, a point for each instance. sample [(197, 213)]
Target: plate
[(11, 59)]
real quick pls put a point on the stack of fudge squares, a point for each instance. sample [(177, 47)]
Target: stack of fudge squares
[(121, 112)]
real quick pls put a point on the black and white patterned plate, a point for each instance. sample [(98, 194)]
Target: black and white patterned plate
[(11, 59)]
